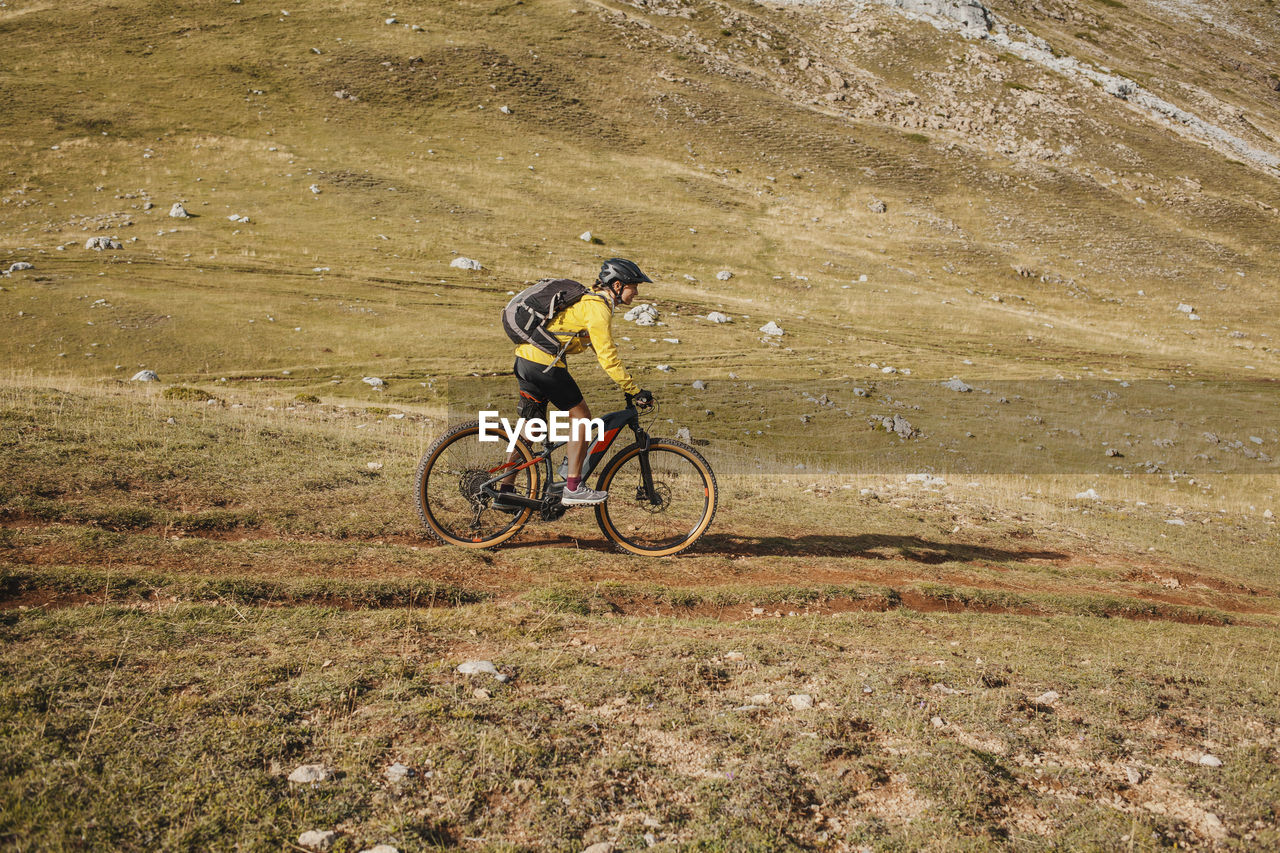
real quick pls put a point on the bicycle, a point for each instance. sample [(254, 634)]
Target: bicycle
[(662, 492)]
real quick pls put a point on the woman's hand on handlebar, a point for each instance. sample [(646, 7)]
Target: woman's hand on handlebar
[(642, 400)]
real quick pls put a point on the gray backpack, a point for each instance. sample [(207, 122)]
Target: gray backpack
[(526, 316)]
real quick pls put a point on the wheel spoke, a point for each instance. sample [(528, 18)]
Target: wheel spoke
[(455, 496), (684, 501)]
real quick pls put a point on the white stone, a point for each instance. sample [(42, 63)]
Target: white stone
[(310, 774), (480, 667), (1047, 698), (390, 21), (315, 189), (639, 313), (800, 701), (466, 264), (505, 110), (938, 723), (373, 466), (599, 847), (1208, 760), (397, 772), (1177, 522), (672, 340), (1185, 308), (317, 839), (665, 368), (955, 384), (683, 434), (699, 385), (178, 211), (1087, 495), (717, 317), (20, 266), (585, 236), (145, 376), (724, 275), (374, 382), (1268, 514), (380, 848), (100, 243), (772, 328)]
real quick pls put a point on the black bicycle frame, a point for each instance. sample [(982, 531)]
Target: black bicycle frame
[(613, 424)]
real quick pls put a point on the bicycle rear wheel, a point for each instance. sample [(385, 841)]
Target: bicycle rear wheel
[(453, 500), (685, 489)]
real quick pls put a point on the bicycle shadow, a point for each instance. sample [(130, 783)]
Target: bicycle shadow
[(868, 546)]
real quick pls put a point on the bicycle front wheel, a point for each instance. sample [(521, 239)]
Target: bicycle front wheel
[(678, 512), (455, 493)]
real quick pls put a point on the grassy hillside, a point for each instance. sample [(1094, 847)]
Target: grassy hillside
[(209, 581)]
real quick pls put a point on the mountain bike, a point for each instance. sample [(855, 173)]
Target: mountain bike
[(662, 492)]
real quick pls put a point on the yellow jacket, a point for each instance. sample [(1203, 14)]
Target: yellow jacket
[(593, 314)]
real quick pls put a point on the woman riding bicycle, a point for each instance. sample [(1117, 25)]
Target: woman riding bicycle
[(543, 377)]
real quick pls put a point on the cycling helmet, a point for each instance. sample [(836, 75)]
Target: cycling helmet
[(622, 271)]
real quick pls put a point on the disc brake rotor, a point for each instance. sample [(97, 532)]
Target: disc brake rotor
[(663, 493)]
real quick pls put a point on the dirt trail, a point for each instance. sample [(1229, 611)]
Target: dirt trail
[(816, 573)]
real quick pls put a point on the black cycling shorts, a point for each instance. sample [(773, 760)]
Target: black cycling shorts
[(538, 385)]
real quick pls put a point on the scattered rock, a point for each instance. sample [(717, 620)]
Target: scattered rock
[(1046, 698), (926, 480), (1133, 774), (699, 385), (800, 701), (315, 189), (954, 384), (380, 848), (642, 315), (145, 376), (344, 95), (317, 839), (374, 382), (947, 691), (1177, 522), (1186, 309), (672, 340), (390, 21), (600, 847), (100, 243), (1087, 495), (772, 328), (373, 466), (682, 434), (1208, 760), (665, 368), (178, 211), (480, 667), (900, 426), (505, 110), (481, 694), (734, 656), (724, 275), (877, 206), (938, 723), (466, 264), (311, 774), (717, 317), (1112, 452), (397, 772), (585, 236), (20, 266)]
